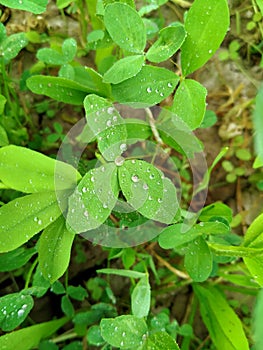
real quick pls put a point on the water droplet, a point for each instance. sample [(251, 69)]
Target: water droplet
[(123, 334), (86, 213), (151, 176), (24, 306), (150, 198), (149, 90), (170, 85), (35, 219), (110, 110), (122, 343), (92, 179), (105, 205), (20, 2), (135, 178), (108, 123), (210, 51), (123, 147), (145, 186), (159, 200), (161, 94), (114, 118), (39, 222), (84, 189), (119, 161), (133, 161), (49, 84), (20, 313), (116, 328)]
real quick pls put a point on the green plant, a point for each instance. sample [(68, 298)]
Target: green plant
[(126, 196)]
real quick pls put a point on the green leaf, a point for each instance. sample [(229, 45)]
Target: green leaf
[(77, 292), (198, 260), (2, 101), (216, 210), (160, 341), (125, 26), (209, 120), (141, 298), (63, 3), (257, 317), (29, 337), (206, 26), (170, 40), (23, 217), (34, 6), (107, 125), (51, 56), (3, 137), (14, 310), (124, 69), (149, 87), (124, 273), (54, 250), (94, 337), (189, 103), (176, 235), (60, 89), (69, 49), (224, 327), (15, 259), (212, 228), (94, 198), (29, 171), (67, 306), (124, 331), (254, 239), (143, 187), (12, 45)]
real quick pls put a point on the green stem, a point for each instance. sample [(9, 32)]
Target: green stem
[(28, 277), (225, 250)]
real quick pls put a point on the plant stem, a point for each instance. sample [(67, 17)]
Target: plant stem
[(28, 277), (225, 250)]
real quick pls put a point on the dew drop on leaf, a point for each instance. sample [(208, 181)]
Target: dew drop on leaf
[(135, 178)]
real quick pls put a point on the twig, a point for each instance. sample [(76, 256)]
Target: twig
[(170, 267), (153, 127)]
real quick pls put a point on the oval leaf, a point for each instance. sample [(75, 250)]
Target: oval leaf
[(34, 6), (149, 87), (125, 26), (14, 310), (12, 45), (198, 260), (169, 41), (69, 49), (124, 69), (124, 331), (50, 56), (254, 239), (60, 89), (29, 171), (189, 103), (94, 198), (141, 298), (54, 250), (206, 26), (16, 258), (224, 327), (173, 236), (160, 341), (107, 125), (142, 186), (29, 337), (23, 217)]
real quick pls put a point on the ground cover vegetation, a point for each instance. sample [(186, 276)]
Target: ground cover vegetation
[(131, 183)]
